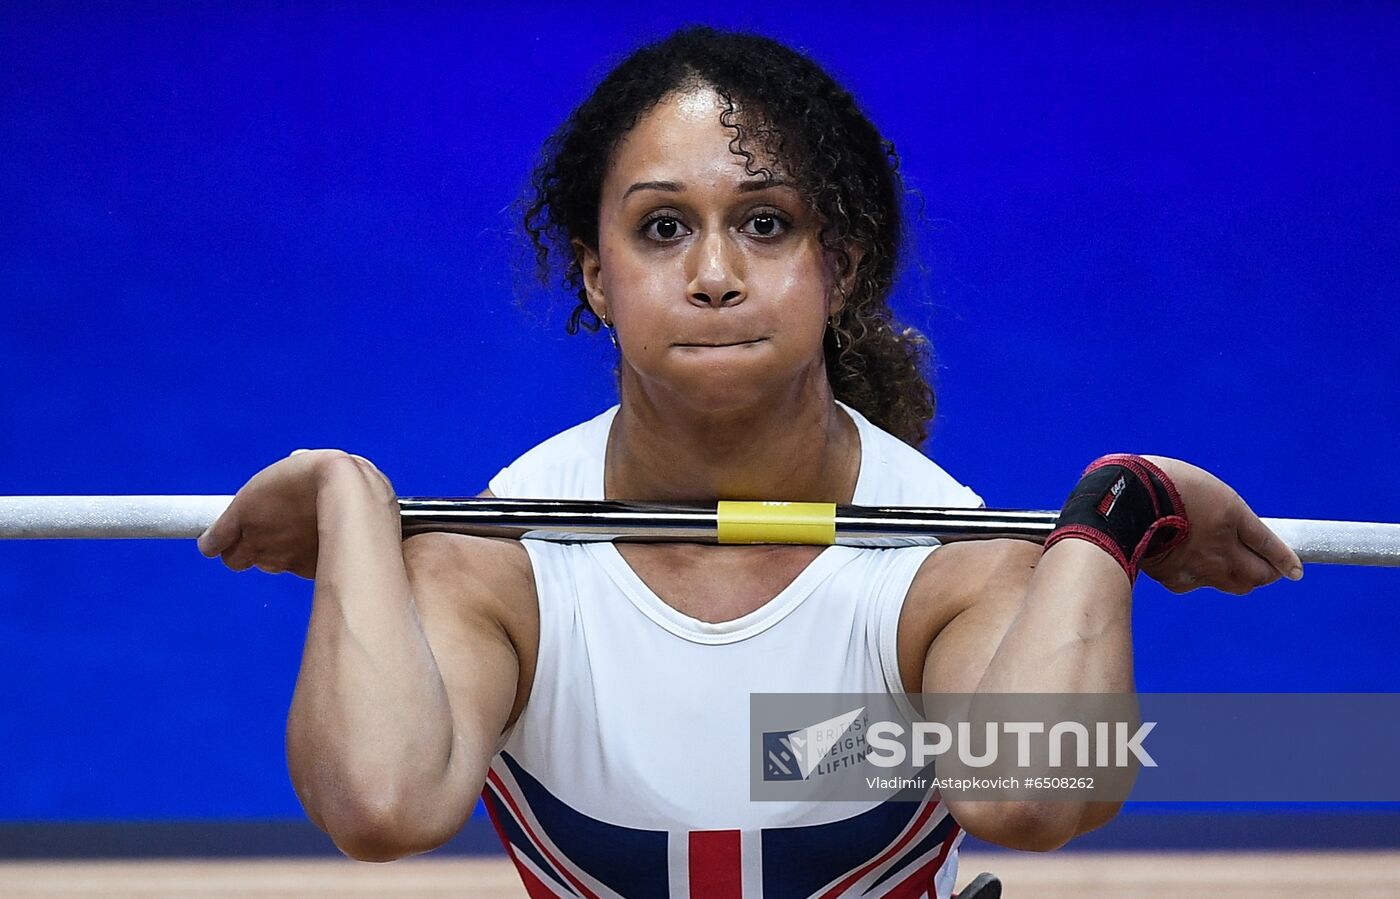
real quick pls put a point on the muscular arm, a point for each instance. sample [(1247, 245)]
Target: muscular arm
[(409, 675), (998, 617), (1001, 617)]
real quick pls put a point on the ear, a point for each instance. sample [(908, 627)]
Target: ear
[(843, 270), (591, 267)]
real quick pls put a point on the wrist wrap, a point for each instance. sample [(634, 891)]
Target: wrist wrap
[(1126, 506)]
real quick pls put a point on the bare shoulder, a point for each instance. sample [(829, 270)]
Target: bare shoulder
[(959, 574), (975, 579), (477, 602), (490, 560), (476, 576)]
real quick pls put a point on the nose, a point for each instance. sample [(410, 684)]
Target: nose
[(716, 279)]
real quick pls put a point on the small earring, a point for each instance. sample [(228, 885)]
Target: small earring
[(834, 333), (612, 332)]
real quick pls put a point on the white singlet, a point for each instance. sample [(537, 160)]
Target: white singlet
[(628, 772)]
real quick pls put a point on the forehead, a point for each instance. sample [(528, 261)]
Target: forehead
[(683, 138)]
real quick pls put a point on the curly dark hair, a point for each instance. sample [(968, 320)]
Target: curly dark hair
[(782, 104)]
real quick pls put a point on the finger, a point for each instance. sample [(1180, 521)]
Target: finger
[(1248, 571), (1257, 536), (220, 535), (239, 557)]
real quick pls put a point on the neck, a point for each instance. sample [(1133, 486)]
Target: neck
[(796, 445)]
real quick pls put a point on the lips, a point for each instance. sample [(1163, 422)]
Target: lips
[(726, 343)]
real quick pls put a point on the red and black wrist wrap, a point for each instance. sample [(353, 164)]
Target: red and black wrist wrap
[(1126, 506)]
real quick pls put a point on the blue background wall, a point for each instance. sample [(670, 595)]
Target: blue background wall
[(229, 232)]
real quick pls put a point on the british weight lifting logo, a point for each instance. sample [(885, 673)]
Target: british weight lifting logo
[(824, 747)]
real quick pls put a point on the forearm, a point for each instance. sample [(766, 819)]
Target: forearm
[(1066, 627), (369, 735), (1073, 633)]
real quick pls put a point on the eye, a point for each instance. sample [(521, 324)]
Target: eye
[(766, 224), (663, 228)]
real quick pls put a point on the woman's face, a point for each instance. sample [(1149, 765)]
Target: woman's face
[(715, 280)]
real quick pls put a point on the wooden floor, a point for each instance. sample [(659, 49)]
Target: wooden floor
[(1362, 875)]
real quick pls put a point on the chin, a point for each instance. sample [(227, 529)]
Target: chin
[(720, 380), (714, 389)]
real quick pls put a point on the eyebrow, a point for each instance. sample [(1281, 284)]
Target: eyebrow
[(676, 187)]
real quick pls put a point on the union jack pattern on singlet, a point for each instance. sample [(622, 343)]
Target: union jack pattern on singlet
[(628, 771)]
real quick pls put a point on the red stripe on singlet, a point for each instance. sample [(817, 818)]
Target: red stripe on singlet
[(500, 786), (858, 873), (534, 887), (716, 865)]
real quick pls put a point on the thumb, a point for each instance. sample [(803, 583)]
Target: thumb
[(219, 536), (1257, 536)]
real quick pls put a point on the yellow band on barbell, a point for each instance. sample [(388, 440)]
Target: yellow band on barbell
[(775, 522)]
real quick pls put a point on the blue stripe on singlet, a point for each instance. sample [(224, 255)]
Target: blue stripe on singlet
[(518, 839), (629, 861), (935, 838), (799, 861)]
